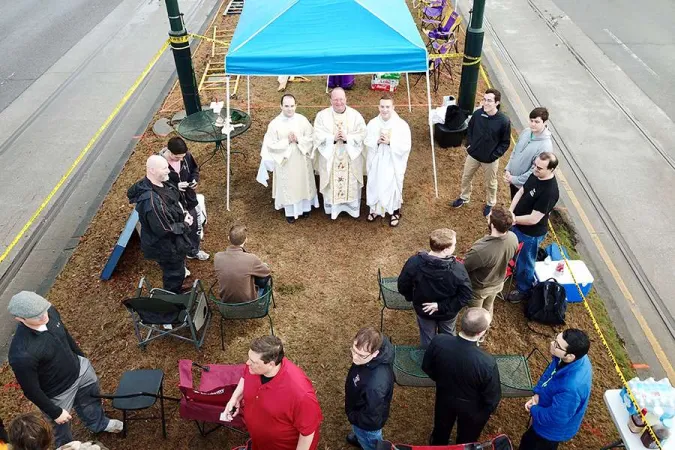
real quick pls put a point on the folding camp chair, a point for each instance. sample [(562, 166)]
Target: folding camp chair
[(446, 30), (163, 313), (138, 390), (391, 298), (440, 64), (254, 309), (510, 271), (204, 404), (500, 442), (432, 12)]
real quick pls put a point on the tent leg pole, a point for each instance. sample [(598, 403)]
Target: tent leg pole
[(248, 95), (227, 124), (431, 134), (407, 85), (327, 81)]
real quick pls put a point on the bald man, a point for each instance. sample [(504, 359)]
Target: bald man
[(164, 222), (468, 389), (339, 132)]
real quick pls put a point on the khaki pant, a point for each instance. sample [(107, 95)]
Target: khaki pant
[(471, 165), (485, 298)]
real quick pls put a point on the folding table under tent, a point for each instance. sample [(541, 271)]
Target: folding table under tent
[(325, 37)]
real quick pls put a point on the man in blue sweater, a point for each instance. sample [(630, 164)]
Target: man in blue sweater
[(561, 396)]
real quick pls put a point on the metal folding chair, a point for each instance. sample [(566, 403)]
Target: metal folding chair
[(391, 298), (139, 390)]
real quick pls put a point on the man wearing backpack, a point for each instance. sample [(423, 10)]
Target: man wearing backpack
[(562, 394), (531, 207)]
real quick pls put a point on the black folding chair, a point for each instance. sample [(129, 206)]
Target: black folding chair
[(139, 390)]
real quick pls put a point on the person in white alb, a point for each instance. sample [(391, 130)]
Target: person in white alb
[(388, 146), (287, 151)]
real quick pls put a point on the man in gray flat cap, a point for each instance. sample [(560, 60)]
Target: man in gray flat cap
[(52, 370)]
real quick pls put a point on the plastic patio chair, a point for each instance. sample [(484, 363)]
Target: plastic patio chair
[(136, 391), (163, 313), (254, 309), (391, 298)]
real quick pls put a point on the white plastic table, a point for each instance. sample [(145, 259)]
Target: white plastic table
[(619, 413)]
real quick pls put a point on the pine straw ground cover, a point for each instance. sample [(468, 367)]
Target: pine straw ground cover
[(325, 282)]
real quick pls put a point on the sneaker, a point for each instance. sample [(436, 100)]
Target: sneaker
[(114, 426), (486, 210), (515, 297), (187, 272), (351, 440), (459, 203), (201, 255)]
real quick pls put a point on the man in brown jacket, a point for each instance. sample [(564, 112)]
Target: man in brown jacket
[(239, 273), (487, 259)]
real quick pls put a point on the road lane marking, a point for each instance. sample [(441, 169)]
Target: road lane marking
[(630, 52)]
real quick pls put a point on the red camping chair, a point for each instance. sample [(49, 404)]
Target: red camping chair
[(510, 270), (204, 404), (501, 442)]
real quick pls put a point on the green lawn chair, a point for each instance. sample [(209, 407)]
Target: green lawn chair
[(254, 309), (391, 298)]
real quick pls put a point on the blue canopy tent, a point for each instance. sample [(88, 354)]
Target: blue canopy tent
[(326, 37)]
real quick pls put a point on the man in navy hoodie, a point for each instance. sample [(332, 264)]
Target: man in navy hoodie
[(369, 387), (561, 396)]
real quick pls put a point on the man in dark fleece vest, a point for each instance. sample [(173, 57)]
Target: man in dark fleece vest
[(52, 370), (165, 224), (489, 136), (369, 387)]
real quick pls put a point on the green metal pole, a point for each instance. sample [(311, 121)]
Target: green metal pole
[(473, 48), (182, 55)]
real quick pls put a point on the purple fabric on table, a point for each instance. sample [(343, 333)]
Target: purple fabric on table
[(343, 81)]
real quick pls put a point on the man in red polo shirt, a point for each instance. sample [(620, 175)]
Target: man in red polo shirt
[(280, 406)]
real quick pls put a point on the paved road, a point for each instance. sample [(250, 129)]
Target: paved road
[(39, 33), (638, 36), (47, 121)]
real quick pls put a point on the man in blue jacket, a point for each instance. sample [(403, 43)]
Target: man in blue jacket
[(369, 387), (561, 396)]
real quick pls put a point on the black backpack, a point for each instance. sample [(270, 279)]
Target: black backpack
[(547, 303)]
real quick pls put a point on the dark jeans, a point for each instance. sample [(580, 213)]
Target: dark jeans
[(514, 190), (193, 235), (524, 272), (173, 274), (532, 441), (445, 416)]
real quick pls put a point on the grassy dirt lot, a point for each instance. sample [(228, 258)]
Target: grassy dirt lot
[(325, 279)]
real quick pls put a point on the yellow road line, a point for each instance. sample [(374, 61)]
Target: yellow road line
[(658, 350), (84, 151)]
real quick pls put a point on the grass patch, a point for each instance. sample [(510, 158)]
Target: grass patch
[(568, 239), (290, 289)]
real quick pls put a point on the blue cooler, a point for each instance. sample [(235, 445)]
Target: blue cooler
[(544, 270)]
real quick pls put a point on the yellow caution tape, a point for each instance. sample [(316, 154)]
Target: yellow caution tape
[(602, 337), (206, 38), (84, 151), (179, 39), (474, 59)]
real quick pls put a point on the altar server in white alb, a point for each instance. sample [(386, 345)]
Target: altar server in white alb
[(388, 146), (287, 152), (338, 137)]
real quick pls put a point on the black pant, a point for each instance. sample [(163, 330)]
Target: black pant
[(514, 190), (532, 441), (469, 426), (173, 274), (193, 234)]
